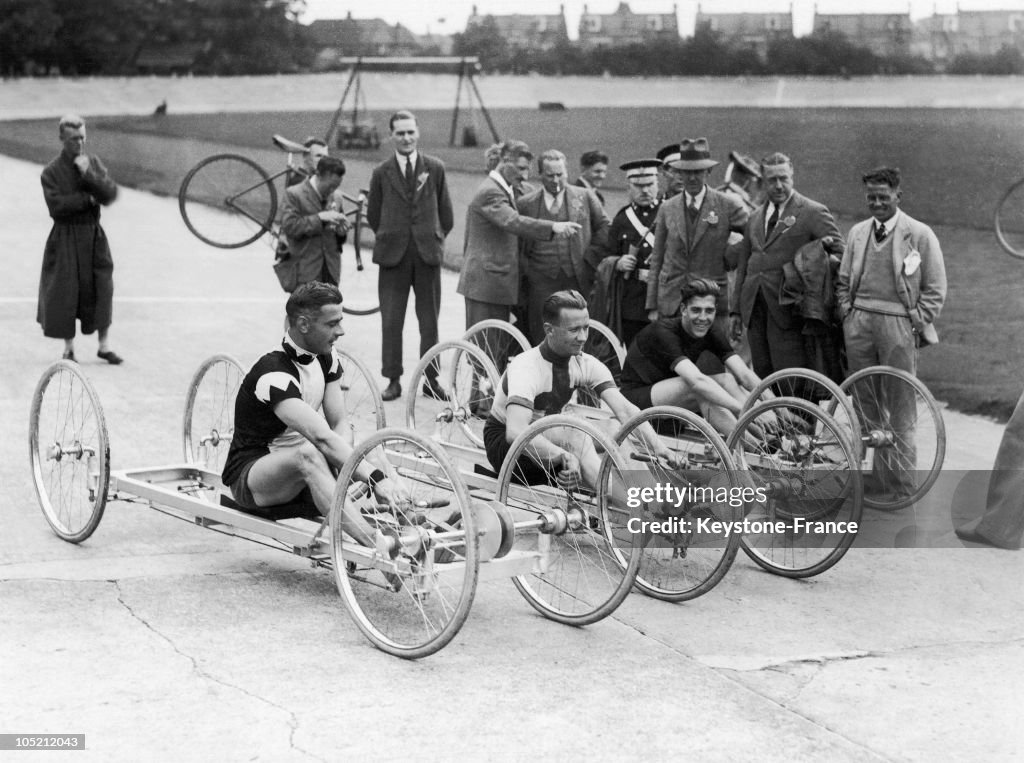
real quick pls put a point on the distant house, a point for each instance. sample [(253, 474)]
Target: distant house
[(753, 31), (986, 32), (168, 58), (626, 28), (528, 31), (441, 44), (935, 38), (361, 37), (884, 34)]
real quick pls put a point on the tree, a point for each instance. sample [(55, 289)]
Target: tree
[(485, 41), (27, 29)]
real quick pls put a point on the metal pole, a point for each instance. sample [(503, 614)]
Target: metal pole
[(333, 126), (458, 97), (483, 108)]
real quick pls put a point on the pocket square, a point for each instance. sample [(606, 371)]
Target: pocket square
[(912, 262)]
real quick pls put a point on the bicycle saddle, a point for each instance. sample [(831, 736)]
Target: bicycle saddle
[(289, 145)]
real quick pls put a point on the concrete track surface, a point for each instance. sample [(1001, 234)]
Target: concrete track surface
[(163, 641)]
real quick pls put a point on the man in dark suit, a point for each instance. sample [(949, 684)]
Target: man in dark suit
[(490, 269), (410, 212), (776, 231), (561, 263), (310, 228), (593, 170)]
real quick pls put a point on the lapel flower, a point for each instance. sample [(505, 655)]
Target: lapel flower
[(577, 205), (912, 262), (421, 180), (789, 221), (712, 218)]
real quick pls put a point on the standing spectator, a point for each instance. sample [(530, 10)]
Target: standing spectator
[(594, 169), (490, 267), (891, 286), (77, 280), (410, 212), (775, 232), (561, 264), (316, 149), (620, 291), (311, 227), (692, 235), (742, 180), (1002, 524), (671, 182)]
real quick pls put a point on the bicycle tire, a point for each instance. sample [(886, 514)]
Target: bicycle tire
[(1003, 211), (209, 206)]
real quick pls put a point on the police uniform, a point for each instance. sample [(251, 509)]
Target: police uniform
[(633, 226)]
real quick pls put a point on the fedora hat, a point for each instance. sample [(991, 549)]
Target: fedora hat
[(694, 154), (745, 163)]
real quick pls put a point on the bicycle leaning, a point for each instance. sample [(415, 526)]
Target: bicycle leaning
[(1009, 220), (229, 201)]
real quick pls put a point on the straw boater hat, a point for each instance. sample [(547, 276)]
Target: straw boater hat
[(694, 154), (639, 168)]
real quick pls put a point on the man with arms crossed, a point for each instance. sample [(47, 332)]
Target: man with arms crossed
[(289, 418)]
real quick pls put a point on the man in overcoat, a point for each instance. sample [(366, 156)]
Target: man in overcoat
[(77, 281)]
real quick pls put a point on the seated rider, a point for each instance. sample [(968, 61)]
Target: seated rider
[(661, 364), (540, 382), (290, 416)]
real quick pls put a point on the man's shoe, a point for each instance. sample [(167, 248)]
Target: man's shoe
[(69, 355), (111, 357), (392, 392), (431, 388), (971, 535)]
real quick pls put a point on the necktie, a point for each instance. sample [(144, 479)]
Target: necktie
[(692, 212), (408, 172), (555, 205), (880, 233), (772, 221)]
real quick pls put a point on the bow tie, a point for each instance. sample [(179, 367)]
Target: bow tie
[(299, 356)]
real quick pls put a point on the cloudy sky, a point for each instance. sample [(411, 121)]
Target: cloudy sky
[(450, 16)]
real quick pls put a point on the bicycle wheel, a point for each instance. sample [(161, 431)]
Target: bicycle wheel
[(588, 554), (1009, 220), (499, 340), (469, 381), (813, 386), (358, 284), (903, 428), (606, 347), (227, 201), (808, 511), (364, 409), (69, 451), (688, 555), (209, 421), (411, 592)]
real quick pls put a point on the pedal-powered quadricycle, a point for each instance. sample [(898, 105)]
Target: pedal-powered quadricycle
[(409, 590)]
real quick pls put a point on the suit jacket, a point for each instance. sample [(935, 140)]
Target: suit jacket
[(760, 259), (587, 247), (396, 214), (581, 183), (922, 291), (490, 268), (676, 257), (310, 243)]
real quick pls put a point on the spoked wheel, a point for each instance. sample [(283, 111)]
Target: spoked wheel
[(589, 555), (1009, 220), (499, 340), (410, 586), (904, 435), (811, 491), (209, 422), (817, 388), (69, 451), (606, 347), (227, 201), (364, 409), (469, 381), (358, 283), (685, 555)]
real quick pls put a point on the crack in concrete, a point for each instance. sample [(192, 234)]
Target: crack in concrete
[(293, 720)]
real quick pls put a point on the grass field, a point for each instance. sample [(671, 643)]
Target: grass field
[(956, 163)]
